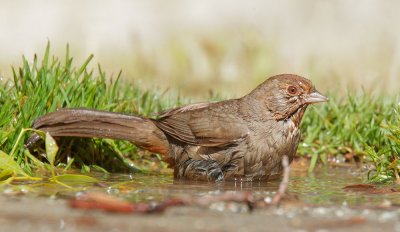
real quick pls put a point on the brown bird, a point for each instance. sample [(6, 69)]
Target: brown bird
[(242, 139)]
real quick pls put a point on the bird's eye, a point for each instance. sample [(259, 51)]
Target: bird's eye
[(292, 89)]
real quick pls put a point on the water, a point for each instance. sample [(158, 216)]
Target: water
[(324, 187), (313, 202)]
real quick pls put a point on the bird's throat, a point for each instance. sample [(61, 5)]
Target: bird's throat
[(298, 115)]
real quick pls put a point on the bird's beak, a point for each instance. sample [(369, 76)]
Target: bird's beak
[(315, 97)]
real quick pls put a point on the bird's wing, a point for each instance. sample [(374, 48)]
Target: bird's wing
[(204, 124)]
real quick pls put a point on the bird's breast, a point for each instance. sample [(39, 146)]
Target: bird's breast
[(290, 129), (267, 146)]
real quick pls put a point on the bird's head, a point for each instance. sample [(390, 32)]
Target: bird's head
[(288, 95)]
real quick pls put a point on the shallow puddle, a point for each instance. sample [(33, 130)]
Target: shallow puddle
[(324, 187), (313, 202)]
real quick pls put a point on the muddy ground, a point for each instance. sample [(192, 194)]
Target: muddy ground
[(43, 214)]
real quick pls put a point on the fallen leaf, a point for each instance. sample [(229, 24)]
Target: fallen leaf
[(75, 179), (359, 187), (370, 189)]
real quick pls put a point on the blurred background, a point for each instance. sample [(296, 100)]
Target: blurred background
[(201, 47)]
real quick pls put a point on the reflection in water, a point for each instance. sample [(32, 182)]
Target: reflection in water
[(324, 187), (142, 188)]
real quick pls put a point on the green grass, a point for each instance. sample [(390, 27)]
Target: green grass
[(363, 126), (43, 86)]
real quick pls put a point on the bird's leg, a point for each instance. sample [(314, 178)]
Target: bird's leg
[(200, 169)]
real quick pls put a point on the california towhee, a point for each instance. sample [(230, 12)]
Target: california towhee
[(242, 139)]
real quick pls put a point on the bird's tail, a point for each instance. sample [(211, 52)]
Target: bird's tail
[(82, 122)]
